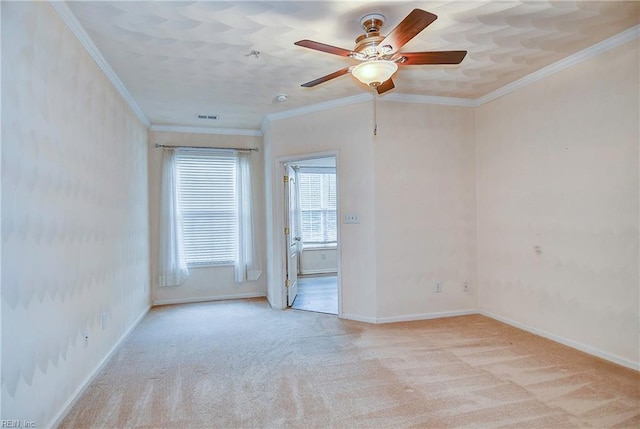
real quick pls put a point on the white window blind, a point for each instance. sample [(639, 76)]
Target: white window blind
[(207, 194), (318, 205)]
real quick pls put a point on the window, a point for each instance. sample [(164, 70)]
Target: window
[(317, 187), (207, 194)]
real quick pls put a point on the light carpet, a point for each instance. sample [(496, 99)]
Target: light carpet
[(239, 364)]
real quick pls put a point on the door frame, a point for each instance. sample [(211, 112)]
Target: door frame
[(280, 242)]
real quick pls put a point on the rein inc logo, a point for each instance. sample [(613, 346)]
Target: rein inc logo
[(17, 424)]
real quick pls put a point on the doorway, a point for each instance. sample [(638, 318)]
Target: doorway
[(311, 234), (317, 293)]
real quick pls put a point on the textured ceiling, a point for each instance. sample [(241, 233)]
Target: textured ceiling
[(179, 59)]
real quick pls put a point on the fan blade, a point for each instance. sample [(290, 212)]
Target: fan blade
[(414, 23), (326, 78), (323, 48), (385, 86), (442, 57)]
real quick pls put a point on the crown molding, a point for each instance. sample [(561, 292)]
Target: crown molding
[(319, 107), (404, 98), (428, 99), (74, 25), (563, 64), (205, 130)]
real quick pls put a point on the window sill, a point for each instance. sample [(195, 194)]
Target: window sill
[(226, 264), (319, 247)]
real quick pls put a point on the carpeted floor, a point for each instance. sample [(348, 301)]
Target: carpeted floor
[(239, 364)]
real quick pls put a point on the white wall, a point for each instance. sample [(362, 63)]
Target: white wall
[(346, 130), (318, 260), (425, 209), (558, 169), (204, 283), (74, 214)]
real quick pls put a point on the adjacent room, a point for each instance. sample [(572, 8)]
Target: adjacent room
[(313, 237), (320, 214)]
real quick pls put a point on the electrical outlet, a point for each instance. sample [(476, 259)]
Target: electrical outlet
[(438, 287), (465, 287)]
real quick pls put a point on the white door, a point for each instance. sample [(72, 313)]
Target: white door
[(292, 237)]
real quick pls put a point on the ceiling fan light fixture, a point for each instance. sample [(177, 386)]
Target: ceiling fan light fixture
[(374, 73)]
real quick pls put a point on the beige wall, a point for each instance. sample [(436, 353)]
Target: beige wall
[(346, 130), (204, 283), (425, 209), (413, 188), (74, 214), (558, 171)]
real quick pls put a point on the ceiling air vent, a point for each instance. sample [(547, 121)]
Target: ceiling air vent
[(212, 117)]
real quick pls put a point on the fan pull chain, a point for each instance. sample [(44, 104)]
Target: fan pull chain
[(375, 114)]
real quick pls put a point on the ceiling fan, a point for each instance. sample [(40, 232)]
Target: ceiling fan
[(380, 55)]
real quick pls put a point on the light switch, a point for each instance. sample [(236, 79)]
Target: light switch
[(351, 218)]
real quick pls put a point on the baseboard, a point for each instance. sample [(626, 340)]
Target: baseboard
[(570, 343), (357, 318), (55, 422), (208, 298), (425, 316), (408, 317)]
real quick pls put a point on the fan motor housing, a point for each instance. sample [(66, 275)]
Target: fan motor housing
[(368, 42)]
